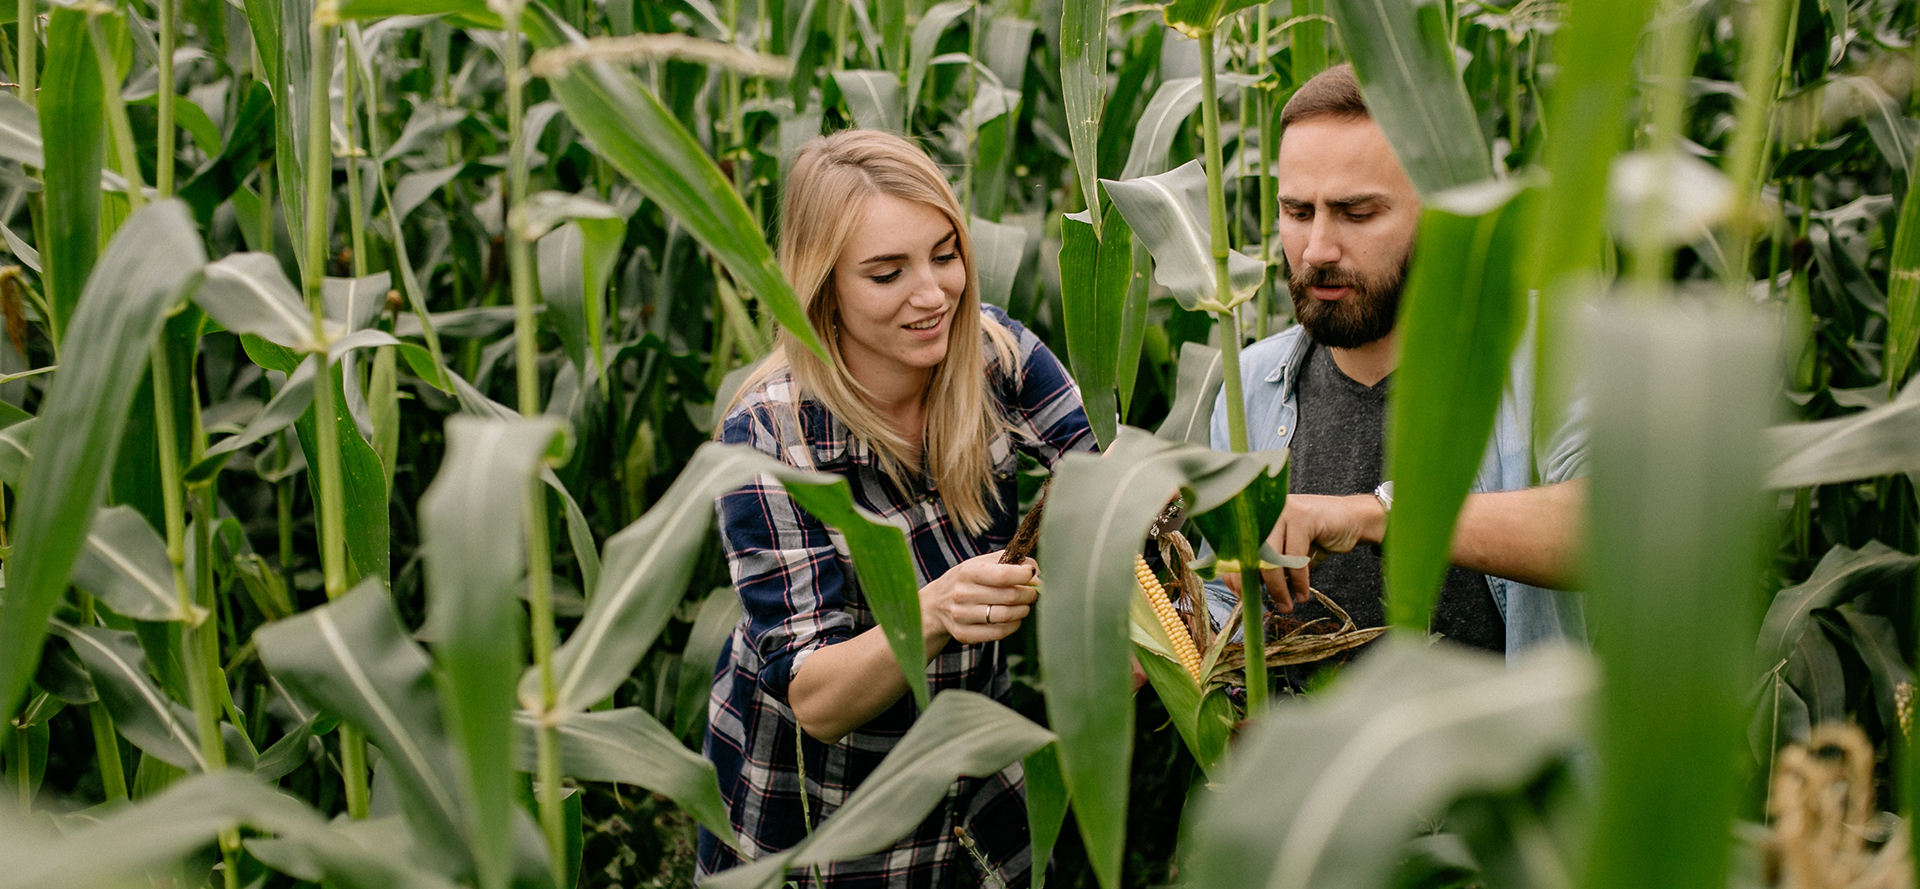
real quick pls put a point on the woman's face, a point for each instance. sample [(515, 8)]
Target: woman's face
[(899, 280)]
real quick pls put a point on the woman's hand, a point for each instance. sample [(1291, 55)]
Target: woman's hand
[(978, 600)]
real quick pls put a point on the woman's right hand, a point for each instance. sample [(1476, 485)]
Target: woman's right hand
[(978, 600)]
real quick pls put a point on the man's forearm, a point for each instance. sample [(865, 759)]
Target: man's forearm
[(1534, 536)]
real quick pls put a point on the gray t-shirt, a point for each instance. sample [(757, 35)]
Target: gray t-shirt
[(1338, 449)]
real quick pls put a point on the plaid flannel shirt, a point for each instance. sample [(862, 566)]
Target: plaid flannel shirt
[(796, 583)]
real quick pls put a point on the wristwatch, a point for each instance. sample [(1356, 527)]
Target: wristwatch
[(1384, 494)]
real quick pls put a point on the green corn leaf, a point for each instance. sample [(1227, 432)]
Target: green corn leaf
[(249, 293), (1197, 17), (711, 629), (647, 565), (293, 750), (576, 261), (1321, 793), (355, 302), (926, 35), (1083, 84), (143, 273), (1404, 61), (285, 63), (893, 34), (364, 482), (20, 132), (629, 746), (961, 733), (1097, 519), (186, 817), (1168, 213), (1197, 383), (1205, 723), (1903, 292), (353, 659), (1878, 644), (634, 133), (473, 533), (141, 711), (1842, 574), (1238, 529), (1459, 321), (1046, 806), (873, 97), (238, 158), (468, 13), (72, 105), (1880, 441), (1173, 102), (1094, 278), (125, 566), (998, 251), (1679, 399)]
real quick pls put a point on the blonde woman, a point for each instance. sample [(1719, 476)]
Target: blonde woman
[(928, 401)]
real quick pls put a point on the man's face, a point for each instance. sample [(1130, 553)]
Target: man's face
[(1347, 218)]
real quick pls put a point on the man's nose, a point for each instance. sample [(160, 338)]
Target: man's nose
[(1323, 247)]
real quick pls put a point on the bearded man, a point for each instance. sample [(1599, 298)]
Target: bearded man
[(1347, 224)]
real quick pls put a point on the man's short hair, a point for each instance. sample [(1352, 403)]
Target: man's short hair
[(1331, 93)]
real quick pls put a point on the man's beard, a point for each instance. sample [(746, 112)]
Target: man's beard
[(1363, 316)]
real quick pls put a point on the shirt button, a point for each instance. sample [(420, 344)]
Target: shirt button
[(1282, 431)]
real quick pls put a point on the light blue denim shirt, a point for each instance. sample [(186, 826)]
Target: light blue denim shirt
[(1270, 371)]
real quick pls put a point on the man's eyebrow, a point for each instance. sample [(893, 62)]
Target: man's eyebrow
[(897, 257), (1358, 200)]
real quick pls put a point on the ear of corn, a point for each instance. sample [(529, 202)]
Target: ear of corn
[(1170, 620)]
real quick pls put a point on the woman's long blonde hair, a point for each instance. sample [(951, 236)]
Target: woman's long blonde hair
[(832, 179)]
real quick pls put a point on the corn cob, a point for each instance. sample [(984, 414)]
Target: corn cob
[(1169, 618)]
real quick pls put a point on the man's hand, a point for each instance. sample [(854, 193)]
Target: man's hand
[(1313, 525)]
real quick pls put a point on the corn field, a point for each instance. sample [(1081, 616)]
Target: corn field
[(363, 359)]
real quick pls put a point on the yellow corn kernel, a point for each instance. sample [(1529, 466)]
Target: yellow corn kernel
[(1176, 628)]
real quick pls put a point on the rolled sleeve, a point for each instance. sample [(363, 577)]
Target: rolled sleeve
[(790, 576)]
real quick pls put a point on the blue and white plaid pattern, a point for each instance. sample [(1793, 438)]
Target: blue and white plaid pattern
[(797, 584)]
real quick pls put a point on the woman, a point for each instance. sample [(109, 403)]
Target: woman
[(929, 399)]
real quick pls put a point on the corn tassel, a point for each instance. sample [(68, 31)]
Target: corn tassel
[(1170, 620)]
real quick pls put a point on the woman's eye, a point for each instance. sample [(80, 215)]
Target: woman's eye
[(946, 258), (886, 278)]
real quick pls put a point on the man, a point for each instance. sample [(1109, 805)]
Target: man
[(1347, 224)]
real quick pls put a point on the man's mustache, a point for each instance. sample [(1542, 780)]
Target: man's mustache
[(1326, 276)]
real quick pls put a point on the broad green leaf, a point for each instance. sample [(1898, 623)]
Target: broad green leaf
[(251, 139), (1680, 396), (286, 63), (1168, 214), (1083, 85), (1097, 519), (355, 302), (576, 261), (997, 253), (1006, 48), (1238, 528), (249, 293), (72, 106), (873, 97), (1322, 793), (1842, 574), (141, 711), (284, 409), (629, 746), (293, 750), (20, 132), (961, 733), (712, 627), (1166, 115), (893, 33), (1046, 806), (470, 13), (1197, 383), (641, 139), (1878, 645), (429, 122), (1094, 276), (364, 482), (125, 566), (142, 274), (190, 815), (1880, 441), (1205, 723), (415, 189), (353, 659), (473, 535), (548, 210), (646, 567), (1196, 17), (926, 35), (1404, 61), (1903, 291), (1459, 321)]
